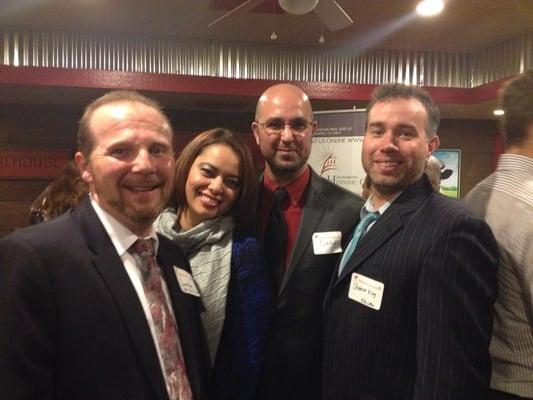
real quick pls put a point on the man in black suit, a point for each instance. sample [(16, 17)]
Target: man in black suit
[(82, 316), (408, 314), (316, 216)]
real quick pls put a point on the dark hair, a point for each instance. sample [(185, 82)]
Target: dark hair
[(366, 187), (243, 209), (85, 138), (516, 100), (395, 90), (63, 193)]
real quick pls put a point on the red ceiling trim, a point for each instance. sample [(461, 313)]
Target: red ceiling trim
[(185, 84)]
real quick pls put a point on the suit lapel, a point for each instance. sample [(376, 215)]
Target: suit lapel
[(388, 225), (384, 228), (311, 216), (115, 277)]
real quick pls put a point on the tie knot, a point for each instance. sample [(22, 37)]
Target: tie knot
[(143, 247), (369, 217), (280, 197)]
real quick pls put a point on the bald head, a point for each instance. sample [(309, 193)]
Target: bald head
[(286, 96), (285, 150)]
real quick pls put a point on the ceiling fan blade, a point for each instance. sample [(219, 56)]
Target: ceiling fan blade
[(332, 15), (241, 8)]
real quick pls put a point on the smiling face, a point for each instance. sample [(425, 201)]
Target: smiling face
[(130, 168), (212, 186), (395, 146), (287, 152)]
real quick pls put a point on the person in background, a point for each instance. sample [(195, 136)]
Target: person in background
[(408, 314), (94, 304), (212, 218), (505, 200), (64, 193), (432, 170), (303, 221)]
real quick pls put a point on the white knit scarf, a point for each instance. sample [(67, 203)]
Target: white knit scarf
[(208, 248)]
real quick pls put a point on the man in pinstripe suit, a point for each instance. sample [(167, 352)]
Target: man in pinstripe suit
[(408, 314), (505, 201)]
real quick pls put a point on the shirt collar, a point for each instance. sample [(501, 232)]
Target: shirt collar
[(517, 162), (121, 237), (295, 189), (368, 207)]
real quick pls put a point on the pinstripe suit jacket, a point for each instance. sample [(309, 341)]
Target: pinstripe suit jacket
[(430, 338)]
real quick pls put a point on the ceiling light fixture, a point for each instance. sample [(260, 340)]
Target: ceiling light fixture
[(298, 7), (429, 8), (498, 112)]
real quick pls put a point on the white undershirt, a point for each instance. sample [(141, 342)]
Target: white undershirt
[(369, 207), (122, 239)]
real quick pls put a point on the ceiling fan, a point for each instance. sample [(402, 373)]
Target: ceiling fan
[(329, 11)]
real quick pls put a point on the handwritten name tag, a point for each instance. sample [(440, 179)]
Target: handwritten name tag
[(327, 242), (366, 291), (186, 282)]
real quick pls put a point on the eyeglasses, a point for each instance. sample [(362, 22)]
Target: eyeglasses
[(275, 126)]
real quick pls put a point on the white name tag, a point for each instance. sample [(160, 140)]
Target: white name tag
[(366, 291), (327, 242), (186, 282)]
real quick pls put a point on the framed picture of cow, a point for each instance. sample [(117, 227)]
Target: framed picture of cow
[(450, 171)]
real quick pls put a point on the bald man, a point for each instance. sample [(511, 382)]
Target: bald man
[(316, 218)]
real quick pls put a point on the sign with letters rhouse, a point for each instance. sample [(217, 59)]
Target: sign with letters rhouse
[(31, 164)]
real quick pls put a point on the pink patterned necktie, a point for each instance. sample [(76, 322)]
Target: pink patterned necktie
[(178, 386)]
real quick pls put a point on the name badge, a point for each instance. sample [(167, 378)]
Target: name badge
[(366, 291), (327, 242), (186, 282)]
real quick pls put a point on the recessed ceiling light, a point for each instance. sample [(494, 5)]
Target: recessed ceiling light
[(498, 112), (428, 8)]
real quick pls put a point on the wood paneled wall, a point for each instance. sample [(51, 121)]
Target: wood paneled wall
[(476, 141), (53, 127)]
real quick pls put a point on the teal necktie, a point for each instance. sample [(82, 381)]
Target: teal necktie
[(360, 231)]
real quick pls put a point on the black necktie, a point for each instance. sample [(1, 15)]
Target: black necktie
[(275, 238)]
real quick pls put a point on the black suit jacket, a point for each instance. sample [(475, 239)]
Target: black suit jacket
[(71, 324), (430, 338), (293, 361)]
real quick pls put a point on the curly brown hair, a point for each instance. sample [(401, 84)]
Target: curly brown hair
[(63, 193)]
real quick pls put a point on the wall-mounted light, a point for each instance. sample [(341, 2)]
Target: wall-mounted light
[(428, 8), (498, 112)]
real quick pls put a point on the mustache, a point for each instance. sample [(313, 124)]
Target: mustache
[(145, 182), (287, 148)]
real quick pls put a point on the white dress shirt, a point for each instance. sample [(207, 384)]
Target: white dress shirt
[(122, 239)]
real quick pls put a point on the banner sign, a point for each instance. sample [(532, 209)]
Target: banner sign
[(337, 145), (27, 164)]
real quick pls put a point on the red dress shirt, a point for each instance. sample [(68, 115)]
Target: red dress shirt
[(292, 214)]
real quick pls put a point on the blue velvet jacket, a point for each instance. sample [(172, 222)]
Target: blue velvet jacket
[(240, 354)]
